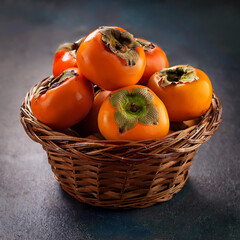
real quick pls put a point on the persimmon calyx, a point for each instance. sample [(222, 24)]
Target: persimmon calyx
[(176, 74), (123, 44), (146, 45), (52, 82), (133, 107), (71, 47)]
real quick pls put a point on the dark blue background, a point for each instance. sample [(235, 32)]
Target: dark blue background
[(204, 34)]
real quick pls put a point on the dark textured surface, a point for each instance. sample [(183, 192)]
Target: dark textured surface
[(33, 206)]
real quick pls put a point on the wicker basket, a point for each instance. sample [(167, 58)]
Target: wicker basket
[(121, 174)]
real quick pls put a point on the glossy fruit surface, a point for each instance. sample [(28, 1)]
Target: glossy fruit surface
[(185, 91), (133, 113), (63, 101), (63, 59), (111, 58), (155, 60)]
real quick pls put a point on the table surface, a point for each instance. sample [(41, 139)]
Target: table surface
[(32, 204)]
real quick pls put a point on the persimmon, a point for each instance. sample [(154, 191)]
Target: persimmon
[(133, 113), (89, 124), (65, 57), (63, 101), (155, 60), (111, 58), (185, 91)]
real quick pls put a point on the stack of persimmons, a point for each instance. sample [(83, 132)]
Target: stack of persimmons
[(122, 87)]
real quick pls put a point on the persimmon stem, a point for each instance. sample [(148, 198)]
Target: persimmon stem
[(133, 107)]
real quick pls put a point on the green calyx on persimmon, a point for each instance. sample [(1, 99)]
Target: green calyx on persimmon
[(133, 107), (121, 43), (177, 74)]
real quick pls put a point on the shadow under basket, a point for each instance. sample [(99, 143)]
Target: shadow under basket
[(121, 174)]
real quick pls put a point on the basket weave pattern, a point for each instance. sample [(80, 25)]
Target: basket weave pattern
[(121, 174)]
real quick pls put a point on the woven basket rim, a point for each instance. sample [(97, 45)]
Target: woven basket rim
[(37, 130)]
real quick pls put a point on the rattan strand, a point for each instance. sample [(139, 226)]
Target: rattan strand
[(121, 174)]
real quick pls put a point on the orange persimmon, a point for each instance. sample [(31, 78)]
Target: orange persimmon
[(89, 124), (185, 91), (65, 57), (63, 101), (111, 58), (155, 60), (133, 113)]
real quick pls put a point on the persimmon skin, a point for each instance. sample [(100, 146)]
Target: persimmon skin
[(155, 60), (62, 61), (184, 101), (110, 130), (65, 105), (89, 124), (103, 67)]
